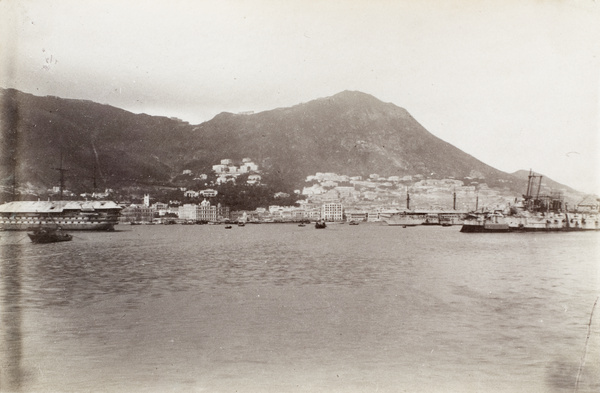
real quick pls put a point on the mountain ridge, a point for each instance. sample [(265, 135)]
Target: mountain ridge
[(350, 133)]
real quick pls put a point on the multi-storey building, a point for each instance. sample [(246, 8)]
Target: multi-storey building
[(188, 212), (332, 211), (137, 214), (356, 215), (203, 212)]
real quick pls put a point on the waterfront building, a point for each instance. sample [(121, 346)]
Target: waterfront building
[(356, 215), (188, 212), (206, 212), (137, 214), (373, 215), (203, 212), (333, 211)]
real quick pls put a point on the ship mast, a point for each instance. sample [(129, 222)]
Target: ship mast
[(14, 182), (529, 184), (62, 176), (539, 186), (94, 177), (407, 199), (454, 200)]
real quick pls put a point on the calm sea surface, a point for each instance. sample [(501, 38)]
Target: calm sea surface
[(282, 308)]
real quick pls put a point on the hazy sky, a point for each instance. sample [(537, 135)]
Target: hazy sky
[(514, 83)]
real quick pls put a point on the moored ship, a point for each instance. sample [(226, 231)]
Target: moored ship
[(405, 219), (543, 213), (69, 215)]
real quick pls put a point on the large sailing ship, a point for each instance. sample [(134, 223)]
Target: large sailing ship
[(69, 215), (96, 215), (534, 213)]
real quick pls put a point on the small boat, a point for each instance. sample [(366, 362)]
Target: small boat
[(301, 225), (227, 226), (353, 223), (241, 224), (320, 224), (48, 235)]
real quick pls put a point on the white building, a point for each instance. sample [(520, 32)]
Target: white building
[(332, 211), (208, 193), (253, 179), (191, 194), (248, 167), (220, 168), (315, 189), (203, 212)]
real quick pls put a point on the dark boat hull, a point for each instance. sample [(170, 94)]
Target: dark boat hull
[(43, 238)]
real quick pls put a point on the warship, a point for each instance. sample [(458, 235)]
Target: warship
[(535, 212)]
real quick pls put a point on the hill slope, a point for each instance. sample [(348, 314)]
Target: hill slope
[(349, 133)]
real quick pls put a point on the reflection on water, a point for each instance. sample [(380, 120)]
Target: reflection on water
[(11, 346), (280, 308)]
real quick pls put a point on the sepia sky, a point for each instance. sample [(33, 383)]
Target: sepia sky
[(515, 83)]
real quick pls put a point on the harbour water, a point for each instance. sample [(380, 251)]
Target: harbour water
[(283, 308)]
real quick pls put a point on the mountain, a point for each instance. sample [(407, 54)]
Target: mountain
[(349, 133)]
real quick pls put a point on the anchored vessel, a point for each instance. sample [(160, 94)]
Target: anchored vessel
[(404, 219), (320, 224), (533, 213), (48, 235), (69, 215)]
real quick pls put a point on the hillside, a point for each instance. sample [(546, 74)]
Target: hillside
[(349, 133)]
